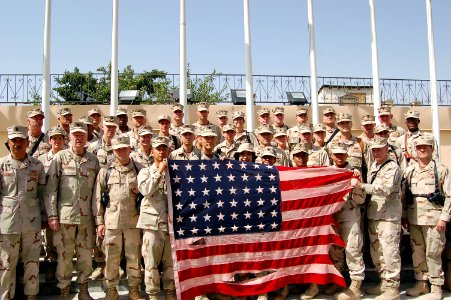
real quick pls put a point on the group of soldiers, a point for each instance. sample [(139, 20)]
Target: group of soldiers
[(96, 188)]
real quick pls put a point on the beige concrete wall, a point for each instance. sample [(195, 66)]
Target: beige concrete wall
[(12, 115)]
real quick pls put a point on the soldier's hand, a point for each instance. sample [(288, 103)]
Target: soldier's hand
[(101, 231), (441, 225), (405, 223), (163, 166), (354, 182), (54, 224)]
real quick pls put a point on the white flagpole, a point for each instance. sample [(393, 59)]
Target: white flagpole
[(183, 67), (248, 61), (313, 76), (45, 105), (114, 60), (433, 77), (374, 60)]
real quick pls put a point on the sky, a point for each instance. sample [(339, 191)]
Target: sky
[(149, 36)]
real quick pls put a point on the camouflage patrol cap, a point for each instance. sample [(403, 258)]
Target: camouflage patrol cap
[(301, 111), (138, 112), (202, 106), (35, 112), (237, 114), (121, 141), (411, 113), (244, 147), (17, 131), (144, 130), (56, 130), (279, 131), (381, 128), (176, 107), (302, 147), (339, 148), (305, 128), (87, 120), (78, 127), (384, 110), (186, 129), (278, 110), (93, 111), (121, 111), (263, 111), (207, 131), (378, 142), (64, 111), (344, 117), (164, 117), (319, 127), (367, 119), (160, 140), (269, 151), (265, 129), (228, 127), (222, 113), (329, 110), (425, 139), (110, 121)]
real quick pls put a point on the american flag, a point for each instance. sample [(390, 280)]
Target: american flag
[(229, 218)]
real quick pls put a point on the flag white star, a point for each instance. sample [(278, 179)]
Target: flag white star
[(215, 165), (189, 167), (234, 227), (243, 165), (221, 229), (274, 213), (233, 203), (272, 177), (258, 177), (232, 190), (193, 218), (179, 206), (259, 189), (202, 166), (174, 166), (246, 190), (260, 202), (247, 202), (178, 192), (234, 215), (245, 177), (269, 167), (261, 214), (274, 225), (256, 166), (248, 227), (229, 165), (176, 179), (273, 189), (204, 179), (180, 231), (231, 177), (220, 203), (207, 217), (220, 217), (247, 215), (192, 192), (206, 205), (208, 230), (261, 226), (179, 219), (274, 201), (219, 191), (190, 179), (217, 178), (192, 205), (194, 230), (205, 192)]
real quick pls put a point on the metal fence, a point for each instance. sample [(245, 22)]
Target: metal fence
[(20, 89)]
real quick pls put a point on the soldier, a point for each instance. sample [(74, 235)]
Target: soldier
[(187, 151), (96, 116), (319, 135), (242, 136), (164, 123), (22, 180), (122, 121), (89, 124), (384, 215), (143, 156), (394, 152), (102, 148), (116, 219), (228, 147), (427, 217), (208, 141), (138, 119), (281, 139), (39, 141), (301, 119), (300, 155), (65, 119), (177, 119), (202, 120), (245, 153), (386, 117), (329, 118), (223, 118), (278, 114), (265, 135), (68, 201), (368, 125), (317, 157), (153, 220)]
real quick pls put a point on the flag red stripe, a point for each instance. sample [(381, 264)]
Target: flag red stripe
[(304, 223), (313, 182), (313, 202)]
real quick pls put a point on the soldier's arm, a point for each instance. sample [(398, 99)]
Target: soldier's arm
[(41, 188), (51, 188), (148, 182), (97, 207), (446, 185), (325, 160), (357, 193), (387, 181)]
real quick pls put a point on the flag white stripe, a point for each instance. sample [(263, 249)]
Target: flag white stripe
[(307, 213), (309, 173), (305, 193)]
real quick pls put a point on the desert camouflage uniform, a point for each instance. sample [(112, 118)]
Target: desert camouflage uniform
[(141, 159), (21, 188), (395, 133), (224, 150), (44, 145), (119, 217), (180, 154), (281, 160), (103, 152), (243, 137), (427, 242), (98, 132), (199, 128), (175, 130), (153, 219), (68, 198), (355, 157), (384, 213), (410, 147), (318, 157), (329, 132), (293, 134)]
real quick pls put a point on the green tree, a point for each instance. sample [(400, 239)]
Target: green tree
[(203, 89), (72, 85)]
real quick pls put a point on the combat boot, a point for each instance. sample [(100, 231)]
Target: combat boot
[(332, 289), (111, 294), (83, 294), (311, 292), (351, 293), (98, 272), (134, 294), (153, 296), (376, 290), (170, 295), (65, 293), (436, 292), (421, 287), (390, 293)]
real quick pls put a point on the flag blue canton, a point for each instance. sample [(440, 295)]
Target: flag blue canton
[(214, 197)]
